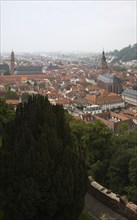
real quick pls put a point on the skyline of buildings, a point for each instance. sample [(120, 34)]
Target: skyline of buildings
[(87, 93)]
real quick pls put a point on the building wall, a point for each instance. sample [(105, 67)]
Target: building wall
[(116, 203), (115, 88), (104, 118), (106, 102), (130, 100)]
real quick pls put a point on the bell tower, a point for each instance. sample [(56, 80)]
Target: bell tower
[(12, 63), (104, 66)]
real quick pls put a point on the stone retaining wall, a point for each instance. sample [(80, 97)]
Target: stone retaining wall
[(117, 203)]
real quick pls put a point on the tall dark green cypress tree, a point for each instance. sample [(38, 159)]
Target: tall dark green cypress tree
[(41, 178)]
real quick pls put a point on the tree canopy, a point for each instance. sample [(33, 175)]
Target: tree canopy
[(125, 54), (41, 176), (25, 96), (11, 95), (6, 113), (111, 159)]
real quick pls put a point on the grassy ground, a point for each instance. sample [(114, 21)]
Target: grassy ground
[(84, 217)]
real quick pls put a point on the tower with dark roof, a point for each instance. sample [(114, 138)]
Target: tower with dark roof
[(107, 80), (12, 63), (104, 66)]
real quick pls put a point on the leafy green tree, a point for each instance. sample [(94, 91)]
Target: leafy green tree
[(122, 129), (132, 189), (125, 138), (25, 96), (11, 95), (28, 83), (110, 158), (78, 132), (41, 177), (35, 83), (92, 141), (7, 113), (98, 142), (7, 88), (118, 170)]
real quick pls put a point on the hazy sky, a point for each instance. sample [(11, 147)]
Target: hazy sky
[(29, 26)]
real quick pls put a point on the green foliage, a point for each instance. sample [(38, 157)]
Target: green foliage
[(41, 177), (128, 53), (25, 96), (122, 129), (91, 142), (7, 113), (133, 168), (28, 83), (110, 158), (35, 83), (78, 132), (121, 169), (132, 193), (98, 142), (11, 95), (118, 171), (132, 189), (84, 217), (7, 88)]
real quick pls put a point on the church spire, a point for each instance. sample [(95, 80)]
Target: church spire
[(12, 62), (103, 62)]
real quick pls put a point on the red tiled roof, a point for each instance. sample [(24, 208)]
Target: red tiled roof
[(63, 101), (12, 102)]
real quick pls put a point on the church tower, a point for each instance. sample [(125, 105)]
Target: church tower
[(12, 63), (104, 66)]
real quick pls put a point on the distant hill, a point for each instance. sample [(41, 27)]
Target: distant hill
[(125, 54)]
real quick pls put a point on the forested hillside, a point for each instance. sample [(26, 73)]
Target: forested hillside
[(41, 177), (125, 54)]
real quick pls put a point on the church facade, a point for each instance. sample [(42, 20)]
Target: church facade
[(22, 69), (108, 80)]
